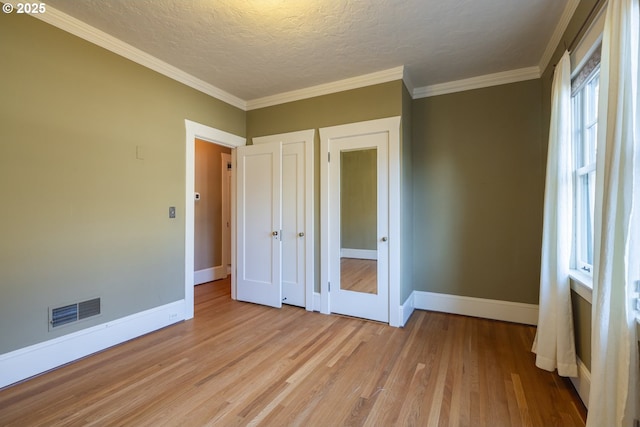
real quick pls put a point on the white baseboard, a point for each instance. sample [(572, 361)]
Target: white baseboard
[(316, 301), (406, 309), (582, 383), (477, 307), (358, 253), (26, 362), (209, 274)]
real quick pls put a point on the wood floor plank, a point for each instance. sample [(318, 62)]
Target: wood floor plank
[(243, 364)]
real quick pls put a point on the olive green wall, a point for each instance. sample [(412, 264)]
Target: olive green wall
[(368, 103), (582, 321), (406, 197), (359, 199), (577, 24), (356, 105), (478, 191), (82, 217)]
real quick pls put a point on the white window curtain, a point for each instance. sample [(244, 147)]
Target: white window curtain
[(614, 395), (554, 343)]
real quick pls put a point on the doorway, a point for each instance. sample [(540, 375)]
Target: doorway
[(212, 223), (195, 130)]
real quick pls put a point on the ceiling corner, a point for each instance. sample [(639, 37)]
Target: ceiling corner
[(565, 18)]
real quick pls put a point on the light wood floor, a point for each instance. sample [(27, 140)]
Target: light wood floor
[(243, 364), (359, 275)]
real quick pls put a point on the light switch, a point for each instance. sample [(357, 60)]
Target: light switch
[(172, 211)]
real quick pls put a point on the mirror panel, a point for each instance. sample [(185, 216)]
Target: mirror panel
[(359, 220)]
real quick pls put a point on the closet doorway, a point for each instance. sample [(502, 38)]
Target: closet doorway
[(275, 232)]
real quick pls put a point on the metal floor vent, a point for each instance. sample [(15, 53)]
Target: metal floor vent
[(73, 312)]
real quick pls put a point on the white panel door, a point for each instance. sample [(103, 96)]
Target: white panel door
[(359, 283), (259, 223), (297, 215), (293, 224)]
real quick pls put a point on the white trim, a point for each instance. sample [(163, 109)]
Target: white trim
[(195, 130), (225, 178), (307, 137), (406, 78), (477, 307), (561, 27), (209, 274), (383, 76), (582, 383), (495, 79), (582, 284), (590, 40), (359, 253), (26, 362), (100, 38), (287, 138), (407, 309), (316, 301)]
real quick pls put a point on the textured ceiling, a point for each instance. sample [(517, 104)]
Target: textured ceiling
[(257, 48)]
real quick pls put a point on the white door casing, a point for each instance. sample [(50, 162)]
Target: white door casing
[(195, 130), (297, 216), (390, 129), (259, 224), (226, 209)]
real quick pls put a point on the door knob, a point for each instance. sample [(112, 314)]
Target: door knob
[(301, 234), (384, 239)]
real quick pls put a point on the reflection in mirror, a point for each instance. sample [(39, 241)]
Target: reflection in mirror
[(359, 221)]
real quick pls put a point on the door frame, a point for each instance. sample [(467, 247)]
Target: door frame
[(391, 126), (307, 137), (195, 130), (226, 210)]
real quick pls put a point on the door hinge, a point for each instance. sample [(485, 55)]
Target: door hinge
[(329, 283), (328, 157)]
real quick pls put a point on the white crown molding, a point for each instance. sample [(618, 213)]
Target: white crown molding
[(384, 76), (407, 81), (565, 18), (93, 35), (478, 82)]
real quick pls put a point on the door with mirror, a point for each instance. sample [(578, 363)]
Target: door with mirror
[(359, 225)]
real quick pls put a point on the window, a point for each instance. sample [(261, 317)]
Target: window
[(585, 131)]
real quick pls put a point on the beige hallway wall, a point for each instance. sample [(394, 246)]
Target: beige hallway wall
[(208, 210)]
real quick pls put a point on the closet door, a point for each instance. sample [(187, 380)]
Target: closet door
[(293, 227), (360, 220), (359, 226), (297, 215), (259, 224)]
